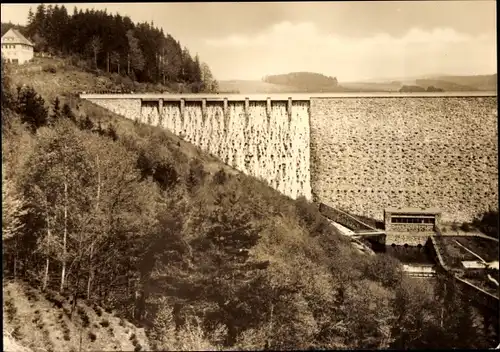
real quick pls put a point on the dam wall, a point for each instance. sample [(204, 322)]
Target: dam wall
[(368, 154), (357, 152), (264, 138)]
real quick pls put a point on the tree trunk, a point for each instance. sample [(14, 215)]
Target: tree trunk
[(91, 271), (63, 271), (107, 62), (46, 275), (128, 64), (15, 264), (47, 263), (15, 257), (91, 266), (95, 59)]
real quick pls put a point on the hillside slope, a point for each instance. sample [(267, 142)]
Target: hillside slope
[(445, 82), (32, 321), (445, 85), (55, 76), (478, 82)]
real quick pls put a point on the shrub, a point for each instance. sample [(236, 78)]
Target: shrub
[(487, 223), (196, 173), (84, 317), (49, 68), (31, 107), (105, 323), (16, 333), (384, 269), (165, 175), (466, 227), (111, 132), (11, 310), (92, 336), (67, 112), (310, 216), (86, 124), (98, 311), (220, 177)]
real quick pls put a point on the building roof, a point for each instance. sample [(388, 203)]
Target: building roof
[(413, 210), (18, 38)]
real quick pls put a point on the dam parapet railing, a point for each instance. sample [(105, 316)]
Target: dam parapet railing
[(345, 219), (276, 96)]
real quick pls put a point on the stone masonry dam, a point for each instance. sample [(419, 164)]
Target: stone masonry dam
[(357, 152)]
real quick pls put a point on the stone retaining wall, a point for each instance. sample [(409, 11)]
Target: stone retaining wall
[(409, 239)]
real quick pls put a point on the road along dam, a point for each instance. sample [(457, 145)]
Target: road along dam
[(357, 152)]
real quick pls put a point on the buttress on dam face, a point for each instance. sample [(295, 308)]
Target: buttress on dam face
[(359, 153)]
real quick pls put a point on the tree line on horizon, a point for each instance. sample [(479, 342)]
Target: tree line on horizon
[(305, 80), (114, 43)]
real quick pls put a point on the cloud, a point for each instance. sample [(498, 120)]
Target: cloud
[(288, 46), (287, 33)]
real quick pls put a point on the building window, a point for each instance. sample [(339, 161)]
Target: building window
[(416, 220)]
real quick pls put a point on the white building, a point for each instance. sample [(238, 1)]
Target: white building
[(16, 48)]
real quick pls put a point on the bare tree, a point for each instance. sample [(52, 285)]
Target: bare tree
[(95, 46)]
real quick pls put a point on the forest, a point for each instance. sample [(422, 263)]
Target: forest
[(124, 216), (110, 43)]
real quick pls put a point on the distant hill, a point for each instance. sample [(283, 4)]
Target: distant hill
[(478, 82), (445, 85), (295, 82), (306, 81), (444, 82)]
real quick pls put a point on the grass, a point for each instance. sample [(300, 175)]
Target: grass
[(56, 75)]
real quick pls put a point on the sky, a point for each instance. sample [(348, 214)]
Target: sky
[(350, 40)]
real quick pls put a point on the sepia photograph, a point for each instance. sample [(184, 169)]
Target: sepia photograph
[(208, 176)]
